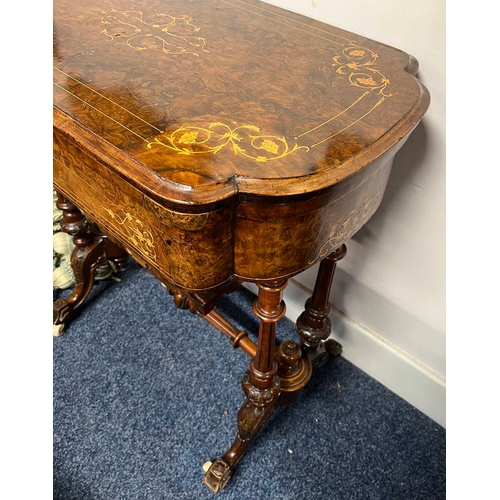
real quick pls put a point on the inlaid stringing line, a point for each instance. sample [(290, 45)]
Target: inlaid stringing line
[(235, 4), (286, 24), (228, 2), (289, 19), (107, 98), (351, 124), (333, 117), (98, 110), (148, 142)]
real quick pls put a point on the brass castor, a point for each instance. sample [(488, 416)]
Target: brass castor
[(217, 474)]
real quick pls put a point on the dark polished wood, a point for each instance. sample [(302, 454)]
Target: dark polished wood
[(314, 325), (88, 254), (261, 385), (220, 142)]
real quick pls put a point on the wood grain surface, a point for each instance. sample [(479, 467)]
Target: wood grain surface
[(231, 91), (225, 138)]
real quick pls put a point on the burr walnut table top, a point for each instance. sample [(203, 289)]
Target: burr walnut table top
[(211, 97), (172, 114)]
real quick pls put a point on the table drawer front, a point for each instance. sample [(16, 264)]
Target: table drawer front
[(193, 251), (284, 245)]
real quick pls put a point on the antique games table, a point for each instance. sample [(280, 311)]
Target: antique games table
[(219, 142)]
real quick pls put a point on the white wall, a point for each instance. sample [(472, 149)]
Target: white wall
[(389, 292)]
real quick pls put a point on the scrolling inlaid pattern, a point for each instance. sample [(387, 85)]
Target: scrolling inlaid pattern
[(192, 140), (136, 232), (178, 35), (173, 35), (358, 62), (348, 226)]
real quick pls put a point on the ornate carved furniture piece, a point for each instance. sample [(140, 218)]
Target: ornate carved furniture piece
[(221, 142)]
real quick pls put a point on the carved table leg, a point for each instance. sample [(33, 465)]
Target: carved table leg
[(89, 252), (314, 325), (261, 385)]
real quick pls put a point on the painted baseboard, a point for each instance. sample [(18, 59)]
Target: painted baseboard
[(410, 379)]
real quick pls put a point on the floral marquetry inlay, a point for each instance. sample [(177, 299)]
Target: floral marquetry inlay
[(170, 34), (135, 231), (245, 140), (359, 64)]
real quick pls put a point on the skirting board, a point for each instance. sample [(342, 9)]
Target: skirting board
[(411, 380)]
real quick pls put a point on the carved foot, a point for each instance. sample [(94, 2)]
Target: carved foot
[(333, 348), (84, 262), (256, 410), (61, 312), (326, 351), (217, 475)]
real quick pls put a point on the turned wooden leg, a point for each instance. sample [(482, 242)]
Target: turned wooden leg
[(261, 385), (314, 325), (89, 252)]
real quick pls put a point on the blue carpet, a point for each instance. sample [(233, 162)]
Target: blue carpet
[(145, 393)]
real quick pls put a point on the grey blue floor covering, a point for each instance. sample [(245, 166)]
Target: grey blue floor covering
[(145, 393)]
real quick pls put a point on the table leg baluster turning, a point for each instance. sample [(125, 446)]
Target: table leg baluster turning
[(314, 325)]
